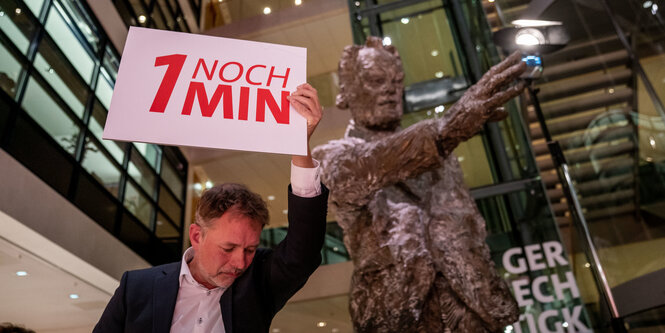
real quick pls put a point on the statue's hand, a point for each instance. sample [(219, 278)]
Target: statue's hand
[(484, 100)]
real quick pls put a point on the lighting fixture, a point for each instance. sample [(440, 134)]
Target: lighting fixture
[(564, 324), (647, 4), (321, 324), (209, 184), (439, 109), (335, 330), (652, 142), (529, 37), (142, 18), (387, 41), (439, 74), (275, 330), (198, 187), (587, 265), (21, 273), (357, 3), (534, 23), (405, 20), (298, 2), (435, 53), (286, 211), (267, 10), (2, 13), (654, 9), (18, 11), (271, 197), (73, 296)]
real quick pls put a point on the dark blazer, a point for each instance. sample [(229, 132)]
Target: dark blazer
[(145, 300)]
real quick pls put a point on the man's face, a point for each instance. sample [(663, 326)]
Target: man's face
[(225, 250), (376, 99)]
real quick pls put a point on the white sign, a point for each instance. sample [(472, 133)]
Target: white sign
[(192, 90)]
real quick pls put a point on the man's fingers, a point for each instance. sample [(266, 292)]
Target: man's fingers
[(310, 105), (311, 94)]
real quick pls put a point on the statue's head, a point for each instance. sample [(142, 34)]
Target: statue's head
[(370, 80)]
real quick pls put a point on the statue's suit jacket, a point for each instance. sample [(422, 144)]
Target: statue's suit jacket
[(145, 300)]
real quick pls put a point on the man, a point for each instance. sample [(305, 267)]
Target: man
[(224, 282), (411, 227)]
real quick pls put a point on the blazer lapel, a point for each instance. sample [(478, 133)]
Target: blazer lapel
[(227, 313), (164, 295)]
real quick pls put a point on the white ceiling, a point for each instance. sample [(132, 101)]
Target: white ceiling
[(40, 301)]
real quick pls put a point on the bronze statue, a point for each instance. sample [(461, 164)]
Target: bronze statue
[(414, 233)]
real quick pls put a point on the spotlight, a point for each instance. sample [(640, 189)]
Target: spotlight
[(387, 41)]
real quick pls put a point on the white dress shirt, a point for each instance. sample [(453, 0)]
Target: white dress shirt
[(197, 308)]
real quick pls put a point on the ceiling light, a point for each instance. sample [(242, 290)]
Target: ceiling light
[(357, 3), (18, 11), (220, 0), (209, 184), (335, 330), (647, 4), (321, 324), (649, 159), (508, 329), (159, 222), (587, 265), (435, 53), (275, 330), (535, 23), (565, 324), (529, 37), (652, 142), (387, 41), (429, 112), (271, 197), (286, 211), (198, 187), (491, 0), (21, 273), (267, 10), (73, 296), (439, 74), (335, 249), (405, 20), (142, 18), (439, 109), (298, 2), (50, 70), (2, 13), (654, 9)]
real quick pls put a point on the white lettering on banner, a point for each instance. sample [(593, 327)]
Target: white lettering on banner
[(544, 289)]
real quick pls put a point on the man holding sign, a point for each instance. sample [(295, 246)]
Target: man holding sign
[(224, 283)]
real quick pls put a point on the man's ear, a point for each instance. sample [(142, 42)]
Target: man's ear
[(195, 235)]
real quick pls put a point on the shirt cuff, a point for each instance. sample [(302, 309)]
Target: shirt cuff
[(306, 182)]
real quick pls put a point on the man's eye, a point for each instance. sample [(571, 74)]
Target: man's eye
[(227, 250), (250, 250)]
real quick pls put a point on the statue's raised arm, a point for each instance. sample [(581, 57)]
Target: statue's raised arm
[(374, 153)]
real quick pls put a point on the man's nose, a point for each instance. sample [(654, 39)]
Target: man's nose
[(238, 259)]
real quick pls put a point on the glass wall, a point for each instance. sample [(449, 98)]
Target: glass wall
[(156, 14), (57, 72)]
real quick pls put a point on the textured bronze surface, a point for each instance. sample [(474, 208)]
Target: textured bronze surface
[(414, 233)]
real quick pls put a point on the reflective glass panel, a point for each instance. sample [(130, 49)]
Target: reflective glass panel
[(104, 89), (142, 173), (168, 203), (35, 6), (426, 55), (172, 178), (81, 22), (138, 204), (16, 24), (164, 228), (100, 167), (70, 44), (151, 152), (10, 69), (50, 116), (57, 72), (96, 126)]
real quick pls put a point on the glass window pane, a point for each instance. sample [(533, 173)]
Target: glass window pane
[(172, 179), (164, 228), (82, 23), (96, 127), (100, 167), (104, 89), (138, 204), (141, 172), (427, 56), (111, 63), (69, 44), (58, 75), (16, 24), (168, 203), (50, 116), (35, 6), (152, 153), (10, 69)]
